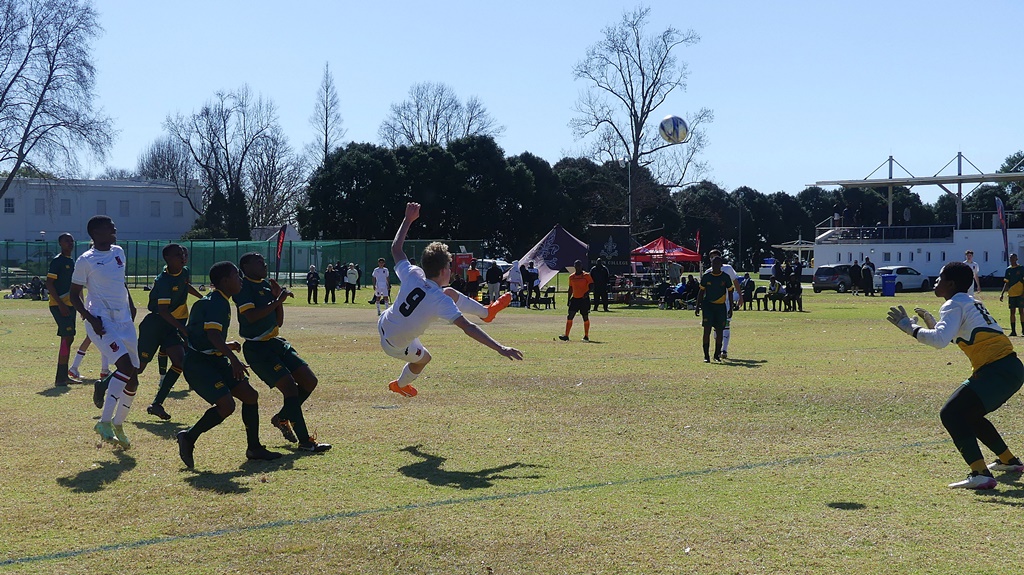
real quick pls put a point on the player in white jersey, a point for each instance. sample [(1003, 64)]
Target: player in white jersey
[(424, 297), (998, 373), (109, 315), (976, 282), (381, 285)]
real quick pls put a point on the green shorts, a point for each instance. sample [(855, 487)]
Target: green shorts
[(714, 315), (209, 375), (996, 382), (1016, 301), (154, 333), (272, 359), (65, 325)]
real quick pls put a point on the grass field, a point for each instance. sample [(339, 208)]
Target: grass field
[(815, 449)]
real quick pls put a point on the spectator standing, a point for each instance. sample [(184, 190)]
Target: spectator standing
[(493, 278), (331, 278), (313, 284), (867, 278), (351, 281), (855, 277), (600, 275), (533, 285), (473, 281), (515, 281)]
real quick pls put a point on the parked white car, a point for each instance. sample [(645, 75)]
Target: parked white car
[(907, 278)]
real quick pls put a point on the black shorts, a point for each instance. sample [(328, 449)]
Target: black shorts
[(579, 305), (272, 359), (65, 325), (154, 333)]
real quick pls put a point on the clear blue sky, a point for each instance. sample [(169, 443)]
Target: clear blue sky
[(801, 91)]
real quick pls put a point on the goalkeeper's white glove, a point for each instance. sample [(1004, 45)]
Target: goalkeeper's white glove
[(898, 317), (926, 317)]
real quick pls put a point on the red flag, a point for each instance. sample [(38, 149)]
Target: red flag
[(280, 246), (280, 240)]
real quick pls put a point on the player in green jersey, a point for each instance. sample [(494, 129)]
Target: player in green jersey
[(1013, 283), (58, 285), (272, 358), (214, 372), (715, 286)]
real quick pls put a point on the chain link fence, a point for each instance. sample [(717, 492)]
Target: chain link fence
[(21, 261)]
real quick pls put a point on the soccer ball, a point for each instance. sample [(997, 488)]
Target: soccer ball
[(674, 130)]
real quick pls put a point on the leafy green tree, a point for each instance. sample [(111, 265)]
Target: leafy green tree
[(705, 207), (597, 193)]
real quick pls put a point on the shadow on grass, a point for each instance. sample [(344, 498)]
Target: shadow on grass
[(846, 505), (431, 470), (54, 391), (748, 363), (165, 429), (226, 483), (97, 478)]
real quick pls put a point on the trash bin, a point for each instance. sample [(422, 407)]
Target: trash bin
[(888, 285)]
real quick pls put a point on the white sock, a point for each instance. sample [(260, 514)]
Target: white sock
[(121, 414), (378, 306), (469, 305), (407, 376), (79, 356), (725, 340), (105, 366), (114, 392)]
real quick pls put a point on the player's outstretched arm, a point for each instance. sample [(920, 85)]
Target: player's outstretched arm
[(474, 331), (412, 213)]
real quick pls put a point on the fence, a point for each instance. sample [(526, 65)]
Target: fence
[(20, 261)]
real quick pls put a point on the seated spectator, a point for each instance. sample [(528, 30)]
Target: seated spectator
[(17, 292), (748, 291), (776, 294), (35, 288), (692, 287)]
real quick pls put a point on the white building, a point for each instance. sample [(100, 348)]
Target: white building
[(36, 209)]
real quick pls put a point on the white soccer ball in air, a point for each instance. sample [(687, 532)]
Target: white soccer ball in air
[(674, 130)]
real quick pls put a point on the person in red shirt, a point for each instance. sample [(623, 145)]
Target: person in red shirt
[(580, 284)]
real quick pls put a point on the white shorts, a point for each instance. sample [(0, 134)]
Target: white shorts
[(413, 353), (381, 293), (120, 338)]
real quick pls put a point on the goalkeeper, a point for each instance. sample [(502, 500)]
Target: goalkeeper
[(998, 373)]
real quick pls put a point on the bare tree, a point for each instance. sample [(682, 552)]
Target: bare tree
[(631, 74), (112, 173), (46, 87), (326, 120), (433, 114), (221, 137), (168, 159), (277, 180)]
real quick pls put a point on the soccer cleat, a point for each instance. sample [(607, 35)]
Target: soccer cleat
[(72, 378), (62, 383), (261, 453), (1013, 334), (99, 390), (158, 410), (707, 359), (313, 446), (106, 431), (725, 355), (586, 338), (975, 481), (285, 426), (407, 391), (73, 374), (563, 337), (186, 448), (498, 305), (121, 437), (104, 374), (718, 358), (1014, 466)]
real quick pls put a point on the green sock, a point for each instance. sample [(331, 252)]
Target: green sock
[(166, 383), (251, 420), (293, 413), (208, 421)]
